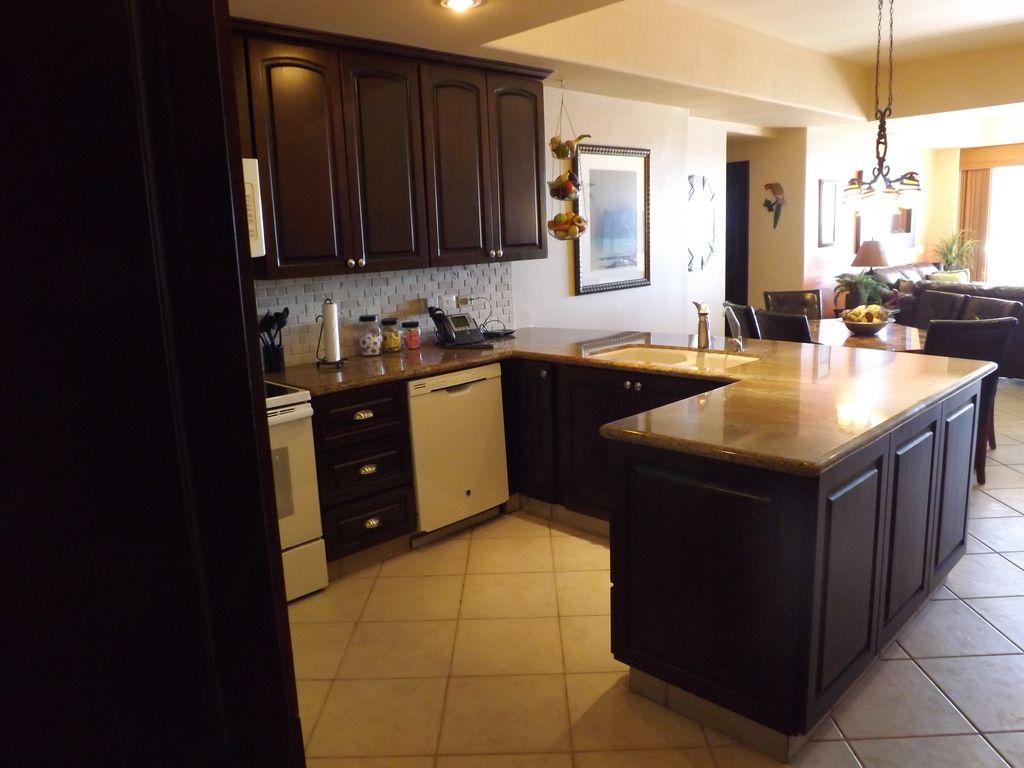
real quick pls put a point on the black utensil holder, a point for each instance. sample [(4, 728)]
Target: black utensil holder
[(273, 359)]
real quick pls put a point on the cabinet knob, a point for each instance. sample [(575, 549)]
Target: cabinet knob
[(628, 385), (500, 253), (371, 523), (351, 263), (368, 469), (543, 374), (363, 415), (361, 262), (638, 386), (491, 253)]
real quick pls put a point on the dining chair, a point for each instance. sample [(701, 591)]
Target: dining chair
[(806, 302), (938, 305), (975, 340), (783, 326), (741, 320)]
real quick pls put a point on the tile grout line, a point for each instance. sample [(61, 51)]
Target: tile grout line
[(451, 655)]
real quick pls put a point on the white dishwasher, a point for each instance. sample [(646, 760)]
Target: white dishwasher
[(458, 445)]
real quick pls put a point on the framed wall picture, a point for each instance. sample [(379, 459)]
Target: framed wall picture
[(614, 253), (826, 213)]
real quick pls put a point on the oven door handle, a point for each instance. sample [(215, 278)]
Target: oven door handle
[(291, 413)]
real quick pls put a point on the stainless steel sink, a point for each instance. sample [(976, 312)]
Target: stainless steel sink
[(676, 357)]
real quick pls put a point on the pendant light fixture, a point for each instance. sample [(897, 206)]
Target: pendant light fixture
[(903, 190)]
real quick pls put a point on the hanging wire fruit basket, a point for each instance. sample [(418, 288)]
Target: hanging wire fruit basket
[(566, 186)]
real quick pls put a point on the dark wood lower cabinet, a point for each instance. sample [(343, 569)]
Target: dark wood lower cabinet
[(528, 395), (589, 397), (769, 593)]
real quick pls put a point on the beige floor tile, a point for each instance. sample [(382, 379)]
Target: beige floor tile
[(893, 650), (894, 698), (369, 572), (546, 760), (983, 505), (485, 715), (317, 649), (930, 752), (1000, 478), (411, 598), (586, 644), (311, 695), (583, 593), (817, 754), (1003, 534), (716, 739), (1005, 613), (342, 600), (512, 555), (370, 762), (606, 715), (512, 526), (364, 718), (975, 547), (399, 649), (509, 596), (1012, 453), (950, 628), (1011, 497), (988, 689), (943, 593), (688, 757), (1011, 745), (442, 558), (580, 553), (985, 576), (826, 731), (1017, 558), (507, 647)]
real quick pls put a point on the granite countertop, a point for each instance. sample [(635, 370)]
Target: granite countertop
[(798, 408)]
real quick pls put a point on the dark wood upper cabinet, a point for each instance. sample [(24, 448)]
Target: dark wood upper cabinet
[(458, 165), (516, 118), (240, 69), (384, 143), (299, 138)]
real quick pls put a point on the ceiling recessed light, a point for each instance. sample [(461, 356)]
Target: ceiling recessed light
[(460, 5)]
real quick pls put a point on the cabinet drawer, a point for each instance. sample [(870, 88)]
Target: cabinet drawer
[(344, 418), (364, 468), (359, 524)]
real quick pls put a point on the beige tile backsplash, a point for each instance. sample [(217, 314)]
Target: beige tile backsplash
[(404, 295)]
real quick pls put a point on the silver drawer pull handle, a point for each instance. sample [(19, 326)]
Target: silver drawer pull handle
[(368, 469), (363, 415), (373, 522)]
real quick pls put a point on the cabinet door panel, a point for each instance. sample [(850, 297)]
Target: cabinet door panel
[(852, 531), (516, 114), (528, 394), (297, 126), (455, 137), (382, 116), (905, 565), (960, 416)]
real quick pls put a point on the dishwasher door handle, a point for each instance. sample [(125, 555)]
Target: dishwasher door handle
[(455, 389)]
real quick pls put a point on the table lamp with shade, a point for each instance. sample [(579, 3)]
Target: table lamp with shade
[(871, 254)]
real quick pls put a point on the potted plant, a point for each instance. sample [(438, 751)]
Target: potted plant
[(863, 287), (955, 251)]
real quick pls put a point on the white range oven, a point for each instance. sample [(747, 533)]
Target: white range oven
[(290, 421)]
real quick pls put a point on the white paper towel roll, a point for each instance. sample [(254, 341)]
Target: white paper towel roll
[(332, 335)]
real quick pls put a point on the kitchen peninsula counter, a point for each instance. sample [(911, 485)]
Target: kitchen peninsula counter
[(798, 408)]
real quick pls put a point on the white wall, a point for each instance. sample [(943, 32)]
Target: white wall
[(542, 290)]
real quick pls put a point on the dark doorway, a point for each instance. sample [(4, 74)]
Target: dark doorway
[(737, 222)]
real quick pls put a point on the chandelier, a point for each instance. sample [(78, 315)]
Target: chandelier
[(902, 190)]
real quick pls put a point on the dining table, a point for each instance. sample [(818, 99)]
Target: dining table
[(893, 337)]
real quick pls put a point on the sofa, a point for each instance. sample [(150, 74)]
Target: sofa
[(909, 282)]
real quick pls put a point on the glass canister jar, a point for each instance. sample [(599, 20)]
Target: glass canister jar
[(392, 335), (411, 334), (369, 335)]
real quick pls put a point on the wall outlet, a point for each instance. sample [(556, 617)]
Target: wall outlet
[(463, 302)]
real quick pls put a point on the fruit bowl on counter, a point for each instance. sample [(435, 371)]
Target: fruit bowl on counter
[(867, 319), (567, 226)]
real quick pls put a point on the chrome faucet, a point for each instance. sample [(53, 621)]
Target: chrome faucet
[(703, 325)]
